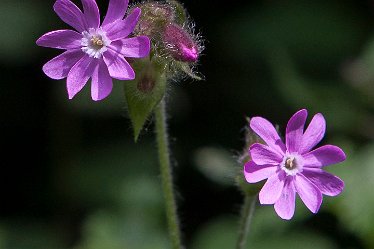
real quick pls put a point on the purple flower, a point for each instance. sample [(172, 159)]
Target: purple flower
[(292, 167), (94, 51)]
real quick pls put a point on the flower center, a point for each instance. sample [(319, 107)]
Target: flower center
[(95, 42), (292, 164)]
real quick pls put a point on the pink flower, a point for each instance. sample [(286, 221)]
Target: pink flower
[(94, 51), (292, 167)]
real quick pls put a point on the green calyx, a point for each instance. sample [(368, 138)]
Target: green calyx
[(144, 92)]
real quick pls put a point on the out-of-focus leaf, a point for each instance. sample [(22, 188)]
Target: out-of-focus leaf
[(23, 234), (22, 23), (316, 32), (216, 164), (301, 92), (356, 203), (98, 179), (267, 231)]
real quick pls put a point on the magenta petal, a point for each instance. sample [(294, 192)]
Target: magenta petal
[(91, 13), (61, 39), (285, 205), (70, 14), (122, 28), (272, 189), (118, 67), (327, 183), (267, 132), (263, 155), (116, 11), (324, 156), (313, 134), (102, 83), (79, 75), (59, 67), (308, 192), (254, 173), (294, 131), (135, 47)]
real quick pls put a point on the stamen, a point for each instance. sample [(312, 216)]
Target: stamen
[(290, 163), (97, 42)]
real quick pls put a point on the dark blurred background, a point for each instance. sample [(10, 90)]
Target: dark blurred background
[(72, 176)]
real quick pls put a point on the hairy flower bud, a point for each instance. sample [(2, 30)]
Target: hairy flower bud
[(180, 44)]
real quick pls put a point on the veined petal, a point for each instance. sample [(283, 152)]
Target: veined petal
[(59, 67), (79, 75), (324, 156), (254, 173), (116, 11), (135, 47), (91, 13), (285, 205), (102, 83), (313, 134), (122, 28), (294, 130), (308, 192), (267, 132), (118, 67), (263, 155), (272, 189), (61, 39), (70, 14), (327, 183)]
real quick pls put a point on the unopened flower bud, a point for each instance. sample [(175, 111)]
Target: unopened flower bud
[(154, 18), (180, 44)]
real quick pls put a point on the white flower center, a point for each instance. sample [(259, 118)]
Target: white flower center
[(95, 42), (292, 164)]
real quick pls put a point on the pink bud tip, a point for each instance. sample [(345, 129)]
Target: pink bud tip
[(180, 44)]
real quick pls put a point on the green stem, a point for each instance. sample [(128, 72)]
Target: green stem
[(246, 219), (166, 175)]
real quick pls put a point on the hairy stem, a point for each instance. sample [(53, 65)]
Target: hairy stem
[(246, 219), (166, 175)]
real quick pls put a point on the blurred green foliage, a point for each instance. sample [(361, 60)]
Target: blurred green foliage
[(270, 58)]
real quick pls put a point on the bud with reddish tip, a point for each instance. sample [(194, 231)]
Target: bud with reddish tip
[(174, 43), (180, 44)]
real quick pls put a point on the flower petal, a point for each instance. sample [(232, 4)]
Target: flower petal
[(263, 155), (294, 131), (59, 67), (324, 156), (116, 11), (122, 28), (254, 173), (313, 134), (61, 39), (267, 132), (118, 67), (285, 205), (327, 183), (70, 14), (91, 13), (102, 83), (272, 189), (308, 192), (79, 75), (135, 47)]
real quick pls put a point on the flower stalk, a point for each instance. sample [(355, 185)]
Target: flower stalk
[(166, 175), (248, 209)]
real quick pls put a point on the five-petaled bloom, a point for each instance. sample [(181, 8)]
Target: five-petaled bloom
[(292, 167), (95, 51)]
